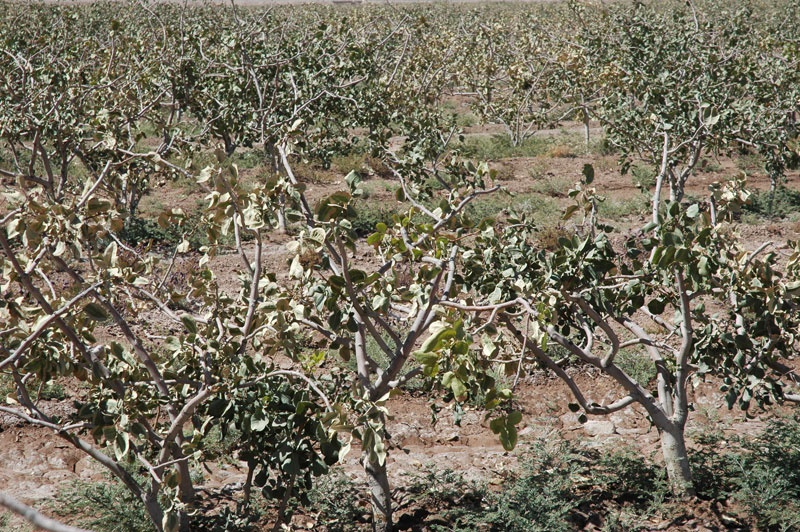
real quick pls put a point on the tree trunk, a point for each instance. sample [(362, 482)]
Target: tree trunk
[(248, 485), (282, 214), (673, 446), (186, 492), (230, 144), (274, 160), (657, 196), (585, 125), (279, 522), (773, 185), (186, 496), (675, 190), (663, 173), (380, 494), (154, 510)]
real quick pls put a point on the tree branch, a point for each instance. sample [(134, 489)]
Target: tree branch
[(34, 517), (43, 325)]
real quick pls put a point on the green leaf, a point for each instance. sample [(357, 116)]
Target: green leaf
[(508, 437), (332, 206), (505, 428), (172, 343), (189, 323), (95, 312), (205, 174), (429, 362), (656, 306), (440, 332), (296, 268), (588, 173), (121, 445), (353, 179), (379, 301), (793, 288), (61, 249), (569, 211), (375, 238), (458, 388), (258, 425), (97, 205), (702, 266), (217, 407), (14, 227)]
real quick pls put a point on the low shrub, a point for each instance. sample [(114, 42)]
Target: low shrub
[(552, 186), (602, 146), (543, 496), (368, 215), (757, 478), (101, 506), (548, 236), (636, 364), (339, 504), (142, 231), (564, 485), (616, 209), (644, 176), (780, 203), (561, 151), (353, 162), (767, 476), (494, 147)]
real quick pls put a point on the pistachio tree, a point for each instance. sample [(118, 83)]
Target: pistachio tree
[(98, 101), (211, 364), (246, 84), (383, 313), (684, 293), (510, 65), (72, 292)]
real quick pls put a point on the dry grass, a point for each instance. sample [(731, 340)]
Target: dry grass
[(561, 151)]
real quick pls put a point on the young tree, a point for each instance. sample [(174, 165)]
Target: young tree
[(511, 67), (377, 311), (75, 294), (164, 363), (71, 294), (684, 293)]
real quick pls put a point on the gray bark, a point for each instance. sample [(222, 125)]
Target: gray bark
[(676, 460), (380, 495)]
